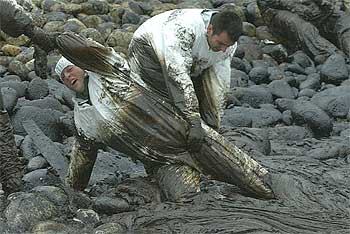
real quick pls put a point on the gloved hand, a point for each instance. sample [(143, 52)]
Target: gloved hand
[(196, 134)]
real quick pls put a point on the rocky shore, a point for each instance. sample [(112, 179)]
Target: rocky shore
[(287, 111)]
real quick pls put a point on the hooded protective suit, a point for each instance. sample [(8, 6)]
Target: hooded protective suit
[(125, 114), (171, 55)]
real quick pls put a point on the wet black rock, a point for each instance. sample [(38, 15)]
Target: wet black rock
[(335, 101), (289, 133), (252, 140), (281, 89), (36, 163), (20, 87), (258, 117), (110, 205), (26, 209), (110, 228), (48, 121), (87, 216), (40, 177), (37, 89), (259, 75), (28, 149), (334, 70), (253, 95), (305, 112), (9, 98), (44, 103), (307, 92), (239, 78), (312, 82), (3, 70), (10, 78)]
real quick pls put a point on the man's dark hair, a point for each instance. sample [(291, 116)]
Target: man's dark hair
[(227, 21)]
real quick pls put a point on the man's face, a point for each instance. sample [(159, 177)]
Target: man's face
[(218, 42), (73, 77)]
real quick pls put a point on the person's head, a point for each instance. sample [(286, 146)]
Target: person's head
[(224, 29), (72, 76)]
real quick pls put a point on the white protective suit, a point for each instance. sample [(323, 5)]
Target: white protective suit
[(170, 52), (128, 116)]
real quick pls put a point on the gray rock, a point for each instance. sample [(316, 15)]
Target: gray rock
[(334, 70), (289, 133), (56, 16), (301, 59), (106, 28), (20, 87), (259, 75), (119, 38), (40, 177), (275, 73), (312, 82), (345, 133), (61, 92), (238, 64), (9, 98), (195, 4), (305, 112), (28, 149), (253, 14), (251, 48), (307, 93), (19, 69), (110, 168), (87, 216), (287, 117), (254, 95), (36, 163), (249, 29), (74, 25), (335, 101), (26, 55), (91, 21), (110, 205), (239, 78), (51, 227), (95, 7), (141, 8), (252, 140), (45, 103), (281, 89), (32, 75), (259, 117), (11, 78), (47, 120), (37, 89), (26, 209), (93, 34), (236, 119), (54, 194), (110, 228), (294, 68), (277, 52), (54, 26), (19, 140), (130, 17), (3, 70)]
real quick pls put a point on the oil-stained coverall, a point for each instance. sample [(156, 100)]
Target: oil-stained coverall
[(171, 55), (124, 113)]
